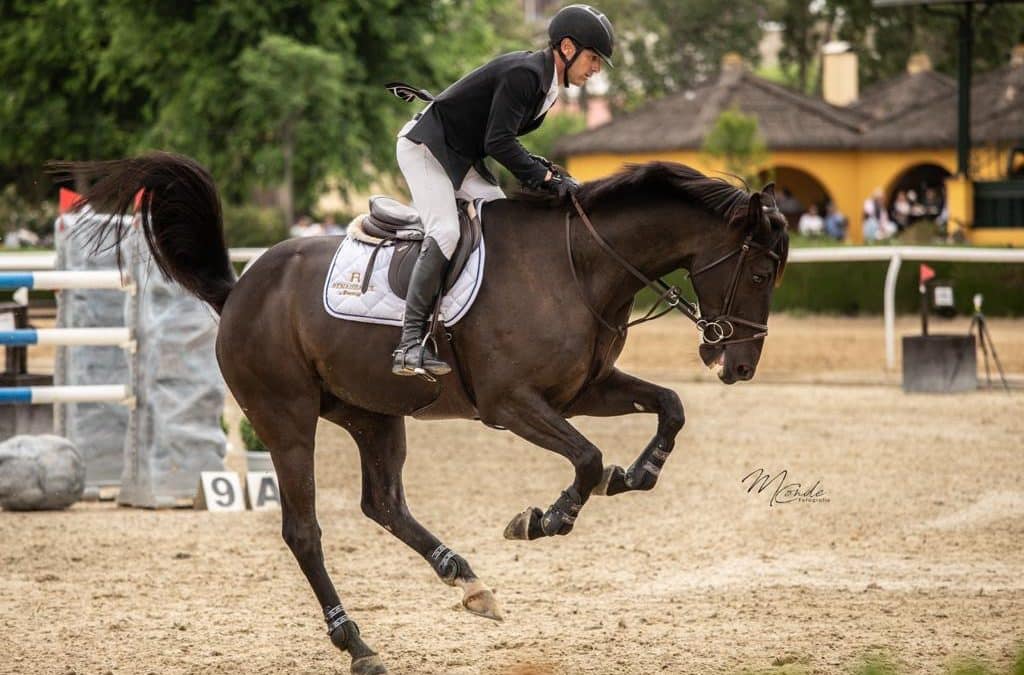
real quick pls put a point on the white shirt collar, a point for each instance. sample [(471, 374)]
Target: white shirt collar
[(552, 96)]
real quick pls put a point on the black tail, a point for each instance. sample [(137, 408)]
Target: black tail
[(180, 214)]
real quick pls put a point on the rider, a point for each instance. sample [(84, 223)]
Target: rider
[(441, 152)]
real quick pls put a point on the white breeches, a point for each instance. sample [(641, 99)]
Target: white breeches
[(433, 195)]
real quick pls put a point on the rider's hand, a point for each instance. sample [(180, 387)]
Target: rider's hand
[(543, 160), (560, 184)]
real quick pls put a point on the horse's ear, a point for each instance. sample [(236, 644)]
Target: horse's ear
[(755, 211), (768, 191)]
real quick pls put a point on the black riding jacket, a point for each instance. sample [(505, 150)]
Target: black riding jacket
[(483, 114)]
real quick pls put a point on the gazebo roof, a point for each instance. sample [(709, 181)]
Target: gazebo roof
[(903, 92), (786, 119), (997, 116), (914, 110)]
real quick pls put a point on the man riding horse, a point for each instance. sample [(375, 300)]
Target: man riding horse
[(529, 362), (441, 152)]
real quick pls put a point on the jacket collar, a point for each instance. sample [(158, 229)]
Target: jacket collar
[(545, 59), (549, 69)]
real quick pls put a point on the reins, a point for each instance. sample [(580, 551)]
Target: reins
[(716, 331)]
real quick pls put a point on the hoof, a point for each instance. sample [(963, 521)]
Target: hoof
[(368, 665), (479, 600), (526, 525)]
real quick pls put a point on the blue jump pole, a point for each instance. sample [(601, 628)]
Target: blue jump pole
[(62, 279)]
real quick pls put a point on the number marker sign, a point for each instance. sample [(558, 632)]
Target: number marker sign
[(220, 491), (262, 490)]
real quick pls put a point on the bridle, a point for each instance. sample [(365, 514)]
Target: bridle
[(719, 330)]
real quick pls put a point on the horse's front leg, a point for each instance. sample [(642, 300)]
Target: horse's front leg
[(622, 394), (529, 416)]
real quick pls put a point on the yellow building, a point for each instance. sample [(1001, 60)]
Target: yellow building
[(900, 135)]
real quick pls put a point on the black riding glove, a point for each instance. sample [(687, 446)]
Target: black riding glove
[(560, 184), (548, 164)]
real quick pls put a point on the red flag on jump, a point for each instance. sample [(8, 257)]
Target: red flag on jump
[(927, 274), (67, 199)]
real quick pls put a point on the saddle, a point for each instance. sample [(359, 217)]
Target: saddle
[(392, 223)]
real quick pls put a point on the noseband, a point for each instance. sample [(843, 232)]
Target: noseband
[(718, 330)]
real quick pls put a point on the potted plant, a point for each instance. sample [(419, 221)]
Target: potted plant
[(257, 457)]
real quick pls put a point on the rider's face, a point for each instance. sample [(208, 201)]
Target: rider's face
[(588, 63)]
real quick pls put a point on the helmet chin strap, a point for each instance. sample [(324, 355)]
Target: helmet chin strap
[(567, 61)]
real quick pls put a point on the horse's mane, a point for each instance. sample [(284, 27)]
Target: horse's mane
[(714, 194)]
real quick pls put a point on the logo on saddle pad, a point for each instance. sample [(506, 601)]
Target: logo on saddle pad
[(354, 285)]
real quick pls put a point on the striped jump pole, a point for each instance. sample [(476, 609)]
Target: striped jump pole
[(55, 281), (66, 337), (66, 394)]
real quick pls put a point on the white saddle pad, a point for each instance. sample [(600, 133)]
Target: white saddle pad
[(344, 299)]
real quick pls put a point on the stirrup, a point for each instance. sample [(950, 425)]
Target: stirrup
[(407, 370), (403, 369), (421, 370)]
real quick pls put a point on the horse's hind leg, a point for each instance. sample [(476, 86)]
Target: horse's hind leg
[(381, 441), (288, 427)]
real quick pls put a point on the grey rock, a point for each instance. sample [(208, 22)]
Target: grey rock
[(40, 472)]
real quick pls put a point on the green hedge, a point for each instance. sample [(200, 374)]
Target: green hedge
[(251, 441), (253, 226), (852, 288)]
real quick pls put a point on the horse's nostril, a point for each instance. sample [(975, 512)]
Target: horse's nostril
[(744, 371)]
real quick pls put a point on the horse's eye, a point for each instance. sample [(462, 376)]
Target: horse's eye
[(759, 278)]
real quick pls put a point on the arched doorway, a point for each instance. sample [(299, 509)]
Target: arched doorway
[(797, 191), (917, 193)]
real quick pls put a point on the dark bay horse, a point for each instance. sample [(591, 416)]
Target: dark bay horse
[(538, 346)]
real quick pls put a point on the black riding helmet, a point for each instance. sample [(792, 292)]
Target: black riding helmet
[(587, 28)]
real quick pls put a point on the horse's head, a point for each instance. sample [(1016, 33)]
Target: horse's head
[(734, 281)]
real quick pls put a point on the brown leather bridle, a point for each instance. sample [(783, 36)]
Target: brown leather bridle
[(718, 330)]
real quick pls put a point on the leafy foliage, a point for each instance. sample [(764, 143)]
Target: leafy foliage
[(667, 45), (736, 141), (253, 226), (235, 83), (18, 213), (884, 38), (251, 441)]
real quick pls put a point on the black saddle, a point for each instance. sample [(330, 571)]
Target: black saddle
[(399, 225)]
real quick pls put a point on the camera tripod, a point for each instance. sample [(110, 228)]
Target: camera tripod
[(980, 327)]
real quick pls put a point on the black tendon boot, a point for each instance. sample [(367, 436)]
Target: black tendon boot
[(415, 354)]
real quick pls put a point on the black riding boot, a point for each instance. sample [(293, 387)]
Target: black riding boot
[(415, 355)]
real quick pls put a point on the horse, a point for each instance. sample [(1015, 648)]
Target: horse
[(537, 347)]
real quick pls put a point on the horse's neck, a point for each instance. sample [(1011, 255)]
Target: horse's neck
[(655, 237)]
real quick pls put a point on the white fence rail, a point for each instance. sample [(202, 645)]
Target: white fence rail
[(895, 255), (47, 260)]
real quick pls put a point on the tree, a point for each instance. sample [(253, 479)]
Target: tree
[(736, 141), (666, 45), (806, 30), (53, 103), (884, 38), (94, 79), (293, 95)]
